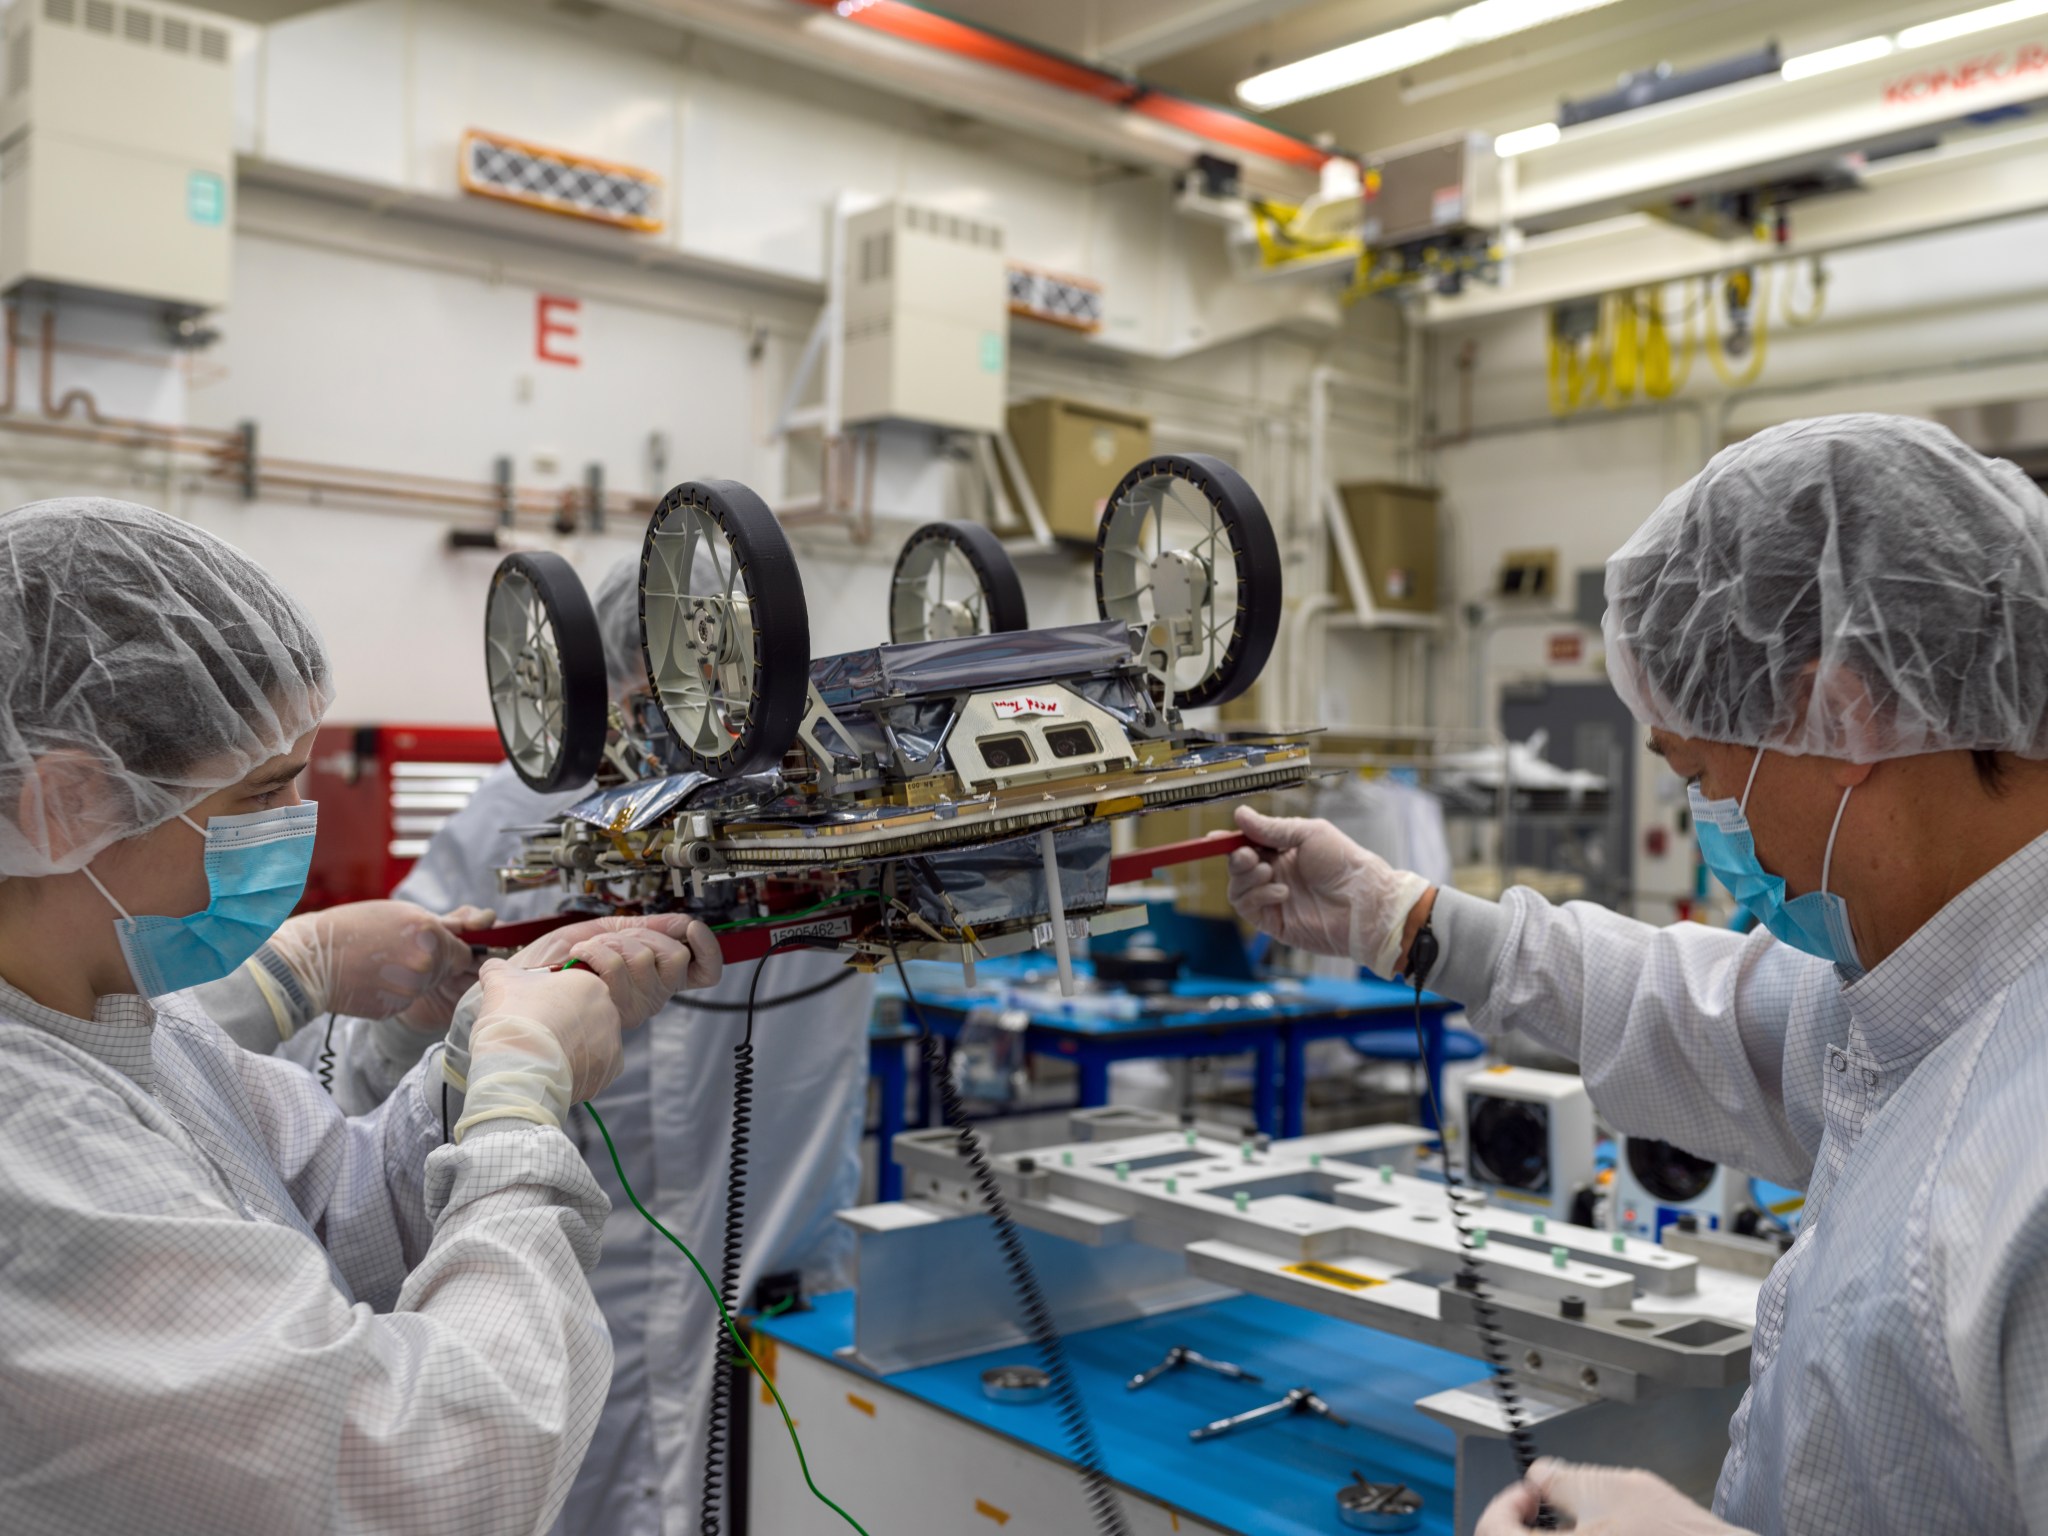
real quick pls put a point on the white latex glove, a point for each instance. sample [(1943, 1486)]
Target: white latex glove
[(1604, 1501), (1309, 885), (540, 1041), (430, 1012), (645, 960), (373, 959), (640, 963)]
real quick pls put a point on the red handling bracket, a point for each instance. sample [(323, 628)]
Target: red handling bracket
[(1140, 862)]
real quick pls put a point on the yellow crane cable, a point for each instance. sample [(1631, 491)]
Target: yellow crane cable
[(1660, 380), (1625, 355), (1760, 309), (1554, 377), (1798, 319), (1631, 349)]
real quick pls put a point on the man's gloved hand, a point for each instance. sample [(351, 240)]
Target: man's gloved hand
[(1309, 885), (374, 959), (1604, 1501)]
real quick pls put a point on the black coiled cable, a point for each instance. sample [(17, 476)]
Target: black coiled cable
[(1038, 1318), (710, 1520), (326, 1069), (1493, 1343), (711, 1515)]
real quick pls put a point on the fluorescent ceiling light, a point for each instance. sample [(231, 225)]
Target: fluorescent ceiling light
[(1389, 53), (1802, 65), (1489, 19), (1366, 59), (1971, 21), (1522, 140)]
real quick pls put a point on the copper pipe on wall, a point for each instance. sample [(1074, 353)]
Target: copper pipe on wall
[(110, 437), (224, 451), (60, 410), (341, 487), (397, 476)]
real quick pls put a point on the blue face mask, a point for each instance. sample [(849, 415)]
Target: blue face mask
[(255, 873), (1817, 922)]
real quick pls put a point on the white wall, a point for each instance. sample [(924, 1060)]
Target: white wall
[(752, 152), (380, 322)]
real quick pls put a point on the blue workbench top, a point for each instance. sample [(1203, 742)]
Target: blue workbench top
[(1275, 1001), (1277, 1478)]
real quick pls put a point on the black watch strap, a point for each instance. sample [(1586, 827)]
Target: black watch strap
[(1423, 953)]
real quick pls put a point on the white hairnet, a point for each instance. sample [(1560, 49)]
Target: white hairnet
[(617, 602), (1860, 587), (144, 664)]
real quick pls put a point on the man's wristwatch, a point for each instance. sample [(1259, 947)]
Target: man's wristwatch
[(1423, 953)]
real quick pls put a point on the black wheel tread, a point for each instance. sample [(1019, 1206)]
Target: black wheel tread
[(992, 566), (782, 629), (579, 646), (1254, 551)]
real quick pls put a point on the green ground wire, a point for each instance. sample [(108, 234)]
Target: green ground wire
[(787, 1422)]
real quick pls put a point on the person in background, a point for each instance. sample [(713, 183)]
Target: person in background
[(224, 1306), (1837, 634), (670, 1113)]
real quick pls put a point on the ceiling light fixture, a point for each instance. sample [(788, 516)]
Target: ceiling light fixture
[(1971, 21), (1803, 65), (1522, 140), (1388, 53)]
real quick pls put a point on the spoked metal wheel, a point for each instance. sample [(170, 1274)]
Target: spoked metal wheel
[(1185, 550), (954, 579), (724, 627), (544, 657)]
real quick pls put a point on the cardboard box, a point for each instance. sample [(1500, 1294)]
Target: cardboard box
[(1074, 452), (1395, 528)]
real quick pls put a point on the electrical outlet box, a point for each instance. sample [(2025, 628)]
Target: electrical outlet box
[(927, 319), (1528, 575), (117, 170)]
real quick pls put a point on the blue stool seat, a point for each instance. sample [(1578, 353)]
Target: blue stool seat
[(1400, 1045)]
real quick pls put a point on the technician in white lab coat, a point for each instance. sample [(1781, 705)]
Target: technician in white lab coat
[(671, 1114), (224, 1307), (1838, 635)]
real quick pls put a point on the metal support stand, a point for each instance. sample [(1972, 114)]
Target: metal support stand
[(1056, 909), (996, 464)]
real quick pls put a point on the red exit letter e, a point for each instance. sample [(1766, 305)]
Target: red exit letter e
[(555, 331)]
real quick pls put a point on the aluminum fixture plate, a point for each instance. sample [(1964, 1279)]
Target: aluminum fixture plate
[(1332, 1223)]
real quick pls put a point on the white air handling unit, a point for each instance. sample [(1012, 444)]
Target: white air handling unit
[(117, 152)]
